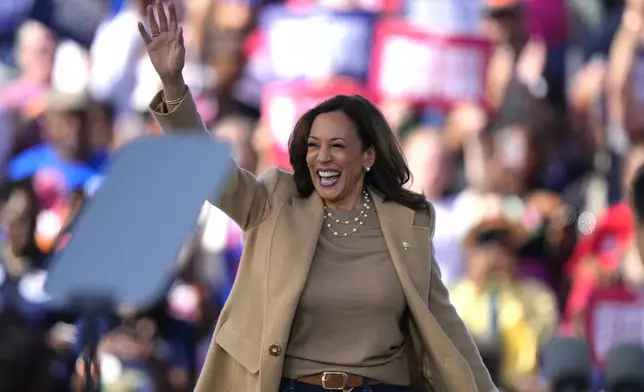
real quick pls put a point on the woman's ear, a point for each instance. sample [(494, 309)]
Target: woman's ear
[(371, 156)]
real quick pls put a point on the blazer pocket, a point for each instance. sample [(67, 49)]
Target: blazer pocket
[(239, 346)]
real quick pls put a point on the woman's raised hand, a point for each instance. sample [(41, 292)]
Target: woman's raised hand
[(164, 43)]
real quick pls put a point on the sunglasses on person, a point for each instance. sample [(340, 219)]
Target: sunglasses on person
[(494, 237)]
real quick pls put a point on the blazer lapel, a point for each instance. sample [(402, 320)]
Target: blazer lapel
[(293, 246), (409, 245), (413, 263), (297, 230)]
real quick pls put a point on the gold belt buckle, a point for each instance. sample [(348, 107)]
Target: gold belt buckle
[(345, 381)]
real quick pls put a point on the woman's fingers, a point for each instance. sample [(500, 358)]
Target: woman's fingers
[(163, 18), (160, 23), (144, 34), (180, 36), (152, 21), (174, 20)]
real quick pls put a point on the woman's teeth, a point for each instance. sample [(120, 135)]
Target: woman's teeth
[(328, 177)]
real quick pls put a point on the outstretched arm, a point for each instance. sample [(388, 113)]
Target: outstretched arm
[(246, 199)]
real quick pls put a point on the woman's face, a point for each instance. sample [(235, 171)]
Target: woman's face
[(337, 160)]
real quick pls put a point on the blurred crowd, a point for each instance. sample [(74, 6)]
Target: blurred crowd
[(520, 120)]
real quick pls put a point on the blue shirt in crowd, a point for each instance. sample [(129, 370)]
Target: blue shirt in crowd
[(76, 174)]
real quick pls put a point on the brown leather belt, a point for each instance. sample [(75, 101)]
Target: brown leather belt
[(336, 381)]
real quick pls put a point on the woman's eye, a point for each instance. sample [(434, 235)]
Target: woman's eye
[(311, 145), (337, 146)]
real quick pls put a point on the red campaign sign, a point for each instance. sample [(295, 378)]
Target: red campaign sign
[(389, 6), (284, 102), (429, 69), (615, 315)]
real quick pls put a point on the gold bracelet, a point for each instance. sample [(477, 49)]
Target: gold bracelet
[(174, 102)]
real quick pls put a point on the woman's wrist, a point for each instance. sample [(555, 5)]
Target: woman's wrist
[(174, 89)]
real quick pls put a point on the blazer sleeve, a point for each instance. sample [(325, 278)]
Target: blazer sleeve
[(453, 325), (246, 199)]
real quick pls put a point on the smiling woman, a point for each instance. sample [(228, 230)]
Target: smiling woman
[(337, 288), (343, 145)]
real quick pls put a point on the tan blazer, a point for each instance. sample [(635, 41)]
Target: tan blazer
[(281, 234)]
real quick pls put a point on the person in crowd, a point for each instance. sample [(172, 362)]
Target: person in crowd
[(269, 152), (342, 217), (514, 315), (146, 351), (117, 55), (35, 49), (599, 254), (222, 239), (430, 165), (67, 148), (63, 163), (623, 100), (624, 282), (24, 261), (127, 129), (101, 128), (512, 167), (507, 24), (20, 254), (637, 203), (22, 274), (12, 14), (237, 131), (21, 98), (25, 359)]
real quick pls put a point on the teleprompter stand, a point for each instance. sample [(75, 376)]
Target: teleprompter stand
[(126, 238), (91, 308)]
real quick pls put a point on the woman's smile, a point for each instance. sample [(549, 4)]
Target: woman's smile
[(336, 159), (328, 177)]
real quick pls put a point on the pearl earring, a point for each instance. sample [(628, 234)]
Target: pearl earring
[(367, 168)]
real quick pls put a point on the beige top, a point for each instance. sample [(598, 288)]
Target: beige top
[(350, 312)]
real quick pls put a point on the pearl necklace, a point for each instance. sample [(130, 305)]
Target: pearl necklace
[(358, 221)]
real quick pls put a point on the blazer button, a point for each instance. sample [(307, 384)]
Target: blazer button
[(274, 350)]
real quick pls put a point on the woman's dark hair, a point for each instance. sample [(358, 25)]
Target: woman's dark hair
[(388, 174)]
